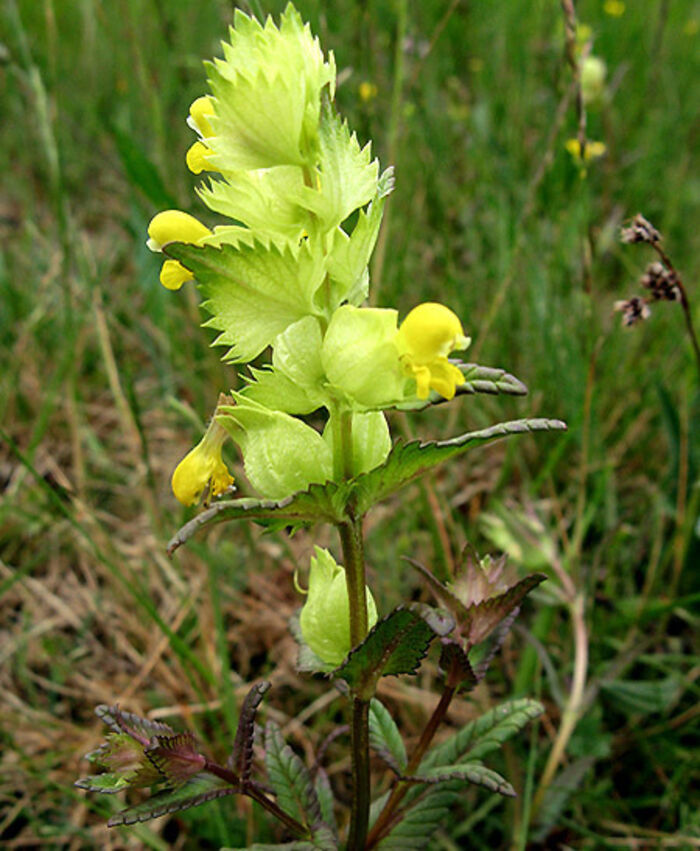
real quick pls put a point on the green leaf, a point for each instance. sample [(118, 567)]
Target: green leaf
[(317, 504), (385, 738), (347, 262), (322, 785), (105, 783), (483, 735), (420, 821), (407, 461), (290, 779), (558, 795), (253, 292), (197, 790), (396, 645), (472, 772), (241, 757), (478, 379)]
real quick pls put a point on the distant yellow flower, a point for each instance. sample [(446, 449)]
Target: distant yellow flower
[(614, 8), (174, 226), (203, 468), (367, 91), (592, 151), (691, 26), (425, 338)]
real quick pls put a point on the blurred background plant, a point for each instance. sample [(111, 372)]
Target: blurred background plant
[(474, 104)]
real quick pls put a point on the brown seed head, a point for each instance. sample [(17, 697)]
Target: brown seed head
[(640, 230), (633, 310), (661, 282)]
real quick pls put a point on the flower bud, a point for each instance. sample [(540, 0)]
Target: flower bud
[(325, 618), (426, 337)]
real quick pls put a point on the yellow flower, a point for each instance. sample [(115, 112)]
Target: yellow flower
[(200, 112), (367, 91), (425, 338), (174, 226), (203, 468), (614, 8), (593, 150)]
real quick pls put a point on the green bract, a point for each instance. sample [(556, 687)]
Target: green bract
[(324, 620), (281, 453), (268, 94)]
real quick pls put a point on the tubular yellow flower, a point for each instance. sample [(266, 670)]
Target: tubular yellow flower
[(201, 110), (174, 226), (425, 338), (203, 468)]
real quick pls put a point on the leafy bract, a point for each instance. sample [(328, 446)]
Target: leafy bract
[(483, 735), (346, 177), (253, 292), (384, 736), (347, 262), (290, 779), (396, 645), (407, 461)]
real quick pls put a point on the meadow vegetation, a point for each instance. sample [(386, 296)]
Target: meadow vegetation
[(105, 381)]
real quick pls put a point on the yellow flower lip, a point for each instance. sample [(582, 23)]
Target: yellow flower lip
[(196, 158), (174, 226), (425, 338), (201, 111)]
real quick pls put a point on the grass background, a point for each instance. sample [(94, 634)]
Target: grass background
[(106, 380)]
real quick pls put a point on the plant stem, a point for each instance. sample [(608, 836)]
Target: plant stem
[(359, 743), (399, 791), (574, 705), (257, 795), (685, 304)]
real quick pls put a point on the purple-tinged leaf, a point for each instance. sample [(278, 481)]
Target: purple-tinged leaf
[(140, 729), (455, 666), (176, 757), (241, 757)]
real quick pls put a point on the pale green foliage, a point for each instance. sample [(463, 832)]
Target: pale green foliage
[(268, 440)]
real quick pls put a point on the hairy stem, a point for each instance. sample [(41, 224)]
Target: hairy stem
[(353, 556)]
